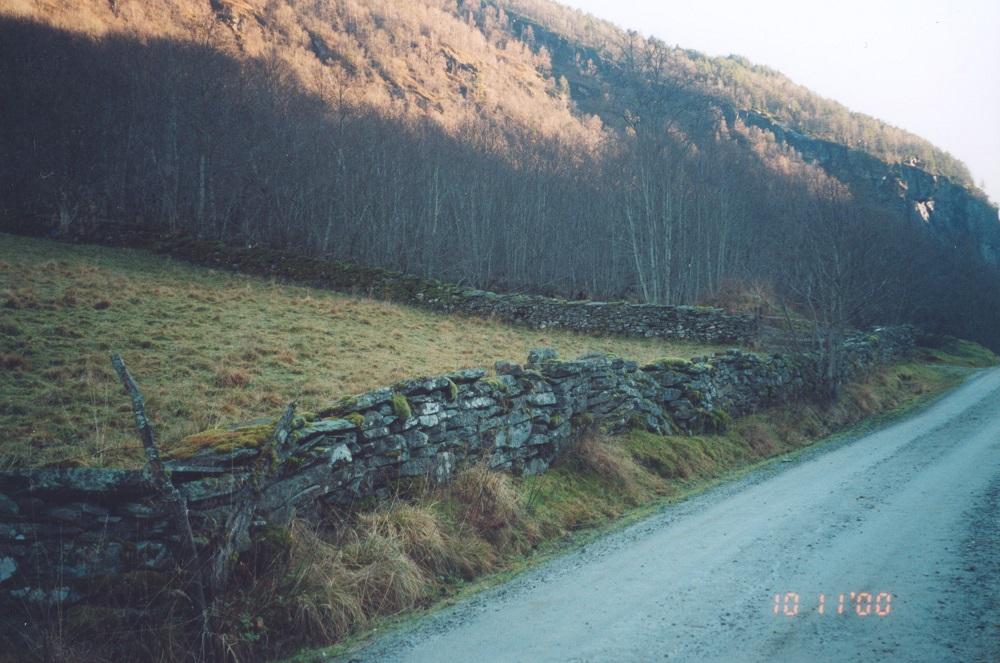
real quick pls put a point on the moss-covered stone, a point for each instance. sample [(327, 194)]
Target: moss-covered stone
[(495, 382), (401, 407), (221, 441), (672, 363)]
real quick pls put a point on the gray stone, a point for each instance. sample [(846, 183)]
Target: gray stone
[(443, 468), (540, 355), (375, 433), (477, 403), (325, 426), (69, 513), (428, 421), (467, 375), (59, 595), (210, 488), (416, 439), (152, 555), (506, 368), (429, 408), (74, 481), (8, 507), (514, 436), (62, 514), (416, 467), (372, 398), (139, 511), (8, 567), (340, 455), (392, 445), (543, 398), (535, 466)]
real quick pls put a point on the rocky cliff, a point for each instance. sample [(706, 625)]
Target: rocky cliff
[(957, 215)]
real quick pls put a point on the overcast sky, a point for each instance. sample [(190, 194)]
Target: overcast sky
[(932, 68)]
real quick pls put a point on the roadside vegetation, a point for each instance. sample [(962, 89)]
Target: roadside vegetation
[(210, 349), (492, 523), (363, 569)]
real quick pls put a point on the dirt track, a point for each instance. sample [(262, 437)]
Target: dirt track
[(911, 511)]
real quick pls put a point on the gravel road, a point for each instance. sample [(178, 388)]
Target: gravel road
[(898, 530)]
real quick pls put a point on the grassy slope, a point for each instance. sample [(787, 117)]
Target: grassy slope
[(209, 348)]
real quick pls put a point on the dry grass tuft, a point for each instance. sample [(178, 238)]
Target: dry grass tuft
[(232, 378), (422, 538), (12, 362), (614, 465), (490, 505), (21, 300), (324, 605), (322, 586), (757, 436), (386, 581)]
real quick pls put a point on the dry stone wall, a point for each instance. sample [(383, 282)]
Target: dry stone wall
[(697, 323), (64, 532)]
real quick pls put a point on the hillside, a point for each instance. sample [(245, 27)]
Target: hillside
[(512, 145), (456, 60)]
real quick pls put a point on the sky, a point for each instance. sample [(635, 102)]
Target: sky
[(932, 68)]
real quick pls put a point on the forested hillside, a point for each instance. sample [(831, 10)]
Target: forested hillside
[(509, 145)]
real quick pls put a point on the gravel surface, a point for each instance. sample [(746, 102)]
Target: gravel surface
[(906, 518)]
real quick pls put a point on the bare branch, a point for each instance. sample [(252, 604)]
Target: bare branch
[(168, 492)]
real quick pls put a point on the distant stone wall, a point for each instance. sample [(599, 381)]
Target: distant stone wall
[(66, 531), (691, 323)]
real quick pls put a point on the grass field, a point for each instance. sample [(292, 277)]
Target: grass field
[(210, 348)]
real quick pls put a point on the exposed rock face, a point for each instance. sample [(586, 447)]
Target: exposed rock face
[(65, 531), (951, 210)]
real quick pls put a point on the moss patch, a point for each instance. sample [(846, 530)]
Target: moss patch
[(671, 363), (221, 441), (401, 407), (356, 418)]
